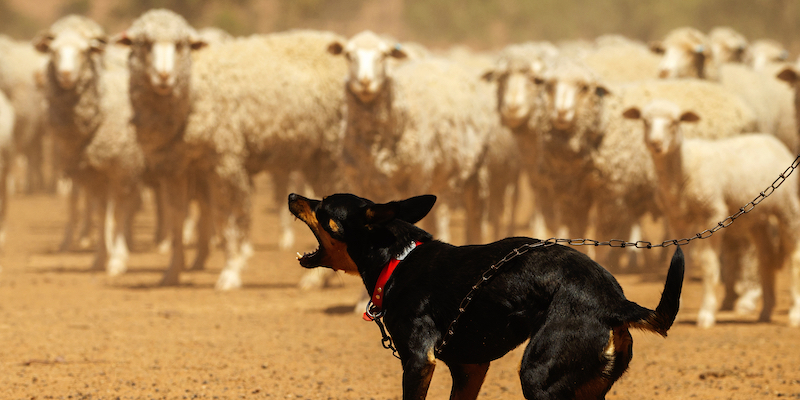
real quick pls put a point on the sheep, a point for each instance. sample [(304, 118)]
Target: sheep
[(727, 45), (706, 181), (769, 99), (686, 52), (766, 55), (422, 127), (90, 116), (19, 66), (520, 105), (617, 59), (221, 117), (7, 120)]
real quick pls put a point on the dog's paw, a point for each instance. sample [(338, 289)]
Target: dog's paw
[(705, 319)]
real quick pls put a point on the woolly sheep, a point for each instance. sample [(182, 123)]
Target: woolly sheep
[(727, 45), (7, 120), (221, 117), (420, 128), (617, 59), (706, 181), (19, 66), (766, 55), (521, 108), (770, 100), (90, 115)]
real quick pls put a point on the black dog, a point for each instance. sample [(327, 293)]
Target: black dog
[(573, 310)]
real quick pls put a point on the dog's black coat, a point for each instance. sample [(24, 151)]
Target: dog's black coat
[(571, 308)]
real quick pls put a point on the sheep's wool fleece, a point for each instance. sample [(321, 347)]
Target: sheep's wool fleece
[(429, 129), (271, 98)]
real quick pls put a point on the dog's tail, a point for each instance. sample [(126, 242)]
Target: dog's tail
[(660, 320)]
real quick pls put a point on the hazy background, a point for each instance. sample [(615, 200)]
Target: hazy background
[(480, 24)]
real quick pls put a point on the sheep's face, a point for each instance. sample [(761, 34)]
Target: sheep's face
[(565, 97), (682, 62), (727, 45), (163, 58), (662, 131), (366, 56), (762, 54), (69, 54), (791, 75), (684, 51), (516, 87)]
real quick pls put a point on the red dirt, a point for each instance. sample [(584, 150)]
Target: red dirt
[(70, 334)]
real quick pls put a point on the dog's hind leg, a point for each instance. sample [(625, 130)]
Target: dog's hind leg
[(467, 380), (568, 358)]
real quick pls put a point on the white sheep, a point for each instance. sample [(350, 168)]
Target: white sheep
[(521, 107), (617, 59), (766, 55), (20, 70), (265, 102), (705, 181), (422, 127), (90, 116), (727, 45), (686, 55), (7, 120)]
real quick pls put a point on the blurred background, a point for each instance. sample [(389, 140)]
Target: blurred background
[(480, 24)]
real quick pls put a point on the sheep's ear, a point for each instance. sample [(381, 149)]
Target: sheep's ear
[(398, 52), (489, 75), (632, 113), (689, 116), (335, 48), (42, 41), (656, 47), (789, 75), (601, 91), (409, 210), (122, 38), (196, 43), (98, 45)]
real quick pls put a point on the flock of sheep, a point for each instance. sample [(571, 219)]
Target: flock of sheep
[(608, 133)]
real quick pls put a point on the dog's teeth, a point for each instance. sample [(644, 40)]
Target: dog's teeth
[(299, 256)]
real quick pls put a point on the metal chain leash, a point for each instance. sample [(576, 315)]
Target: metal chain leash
[(489, 274)]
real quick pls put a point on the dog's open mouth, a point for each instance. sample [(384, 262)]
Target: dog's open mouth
[(312, 259)]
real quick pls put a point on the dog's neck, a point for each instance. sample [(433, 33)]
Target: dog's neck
[(377, 254)]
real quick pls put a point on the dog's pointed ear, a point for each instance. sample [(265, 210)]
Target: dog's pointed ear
[(410, 210)]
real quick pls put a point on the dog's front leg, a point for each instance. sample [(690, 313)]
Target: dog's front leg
[(418, 369)]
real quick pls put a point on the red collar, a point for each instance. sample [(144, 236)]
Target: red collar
[(375, 306)]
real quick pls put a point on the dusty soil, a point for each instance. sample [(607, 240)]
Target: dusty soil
[(66, 333)]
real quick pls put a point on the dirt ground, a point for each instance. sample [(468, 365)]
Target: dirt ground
[(66, 333)]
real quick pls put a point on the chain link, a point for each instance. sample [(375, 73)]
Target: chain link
[(487, 276)]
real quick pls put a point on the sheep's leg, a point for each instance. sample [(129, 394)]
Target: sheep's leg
[(794, 312), (72, 218), (475, 204), (161, 235), (205, 227), (101, 246), (127, 203), (442, 221), (280, 187), (3, 196), (175, 189), (232, 197), (709, 260)]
